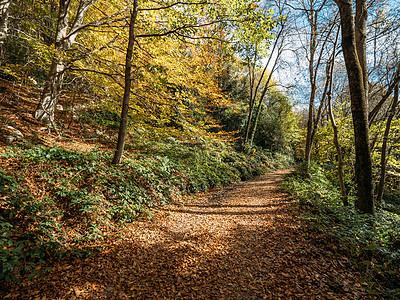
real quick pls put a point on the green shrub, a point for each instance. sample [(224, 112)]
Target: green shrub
[(373, 241)]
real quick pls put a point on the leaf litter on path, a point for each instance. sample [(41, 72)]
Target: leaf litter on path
[(241, 242)]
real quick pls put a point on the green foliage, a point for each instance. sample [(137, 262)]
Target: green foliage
[(374, 240), (325, 153), (277, 125), (101, 117), (26, 230), (277, 129), (26, 50)]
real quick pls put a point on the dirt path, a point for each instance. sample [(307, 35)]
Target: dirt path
[(242, 242)]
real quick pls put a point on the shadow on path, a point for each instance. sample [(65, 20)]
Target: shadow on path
[(246, 246)]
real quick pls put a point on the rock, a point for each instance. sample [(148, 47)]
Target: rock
[(76, 111), (78, 107), (75, 116), (9, 139), (16, 132)]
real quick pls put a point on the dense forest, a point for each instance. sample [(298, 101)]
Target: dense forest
[(111, 111)]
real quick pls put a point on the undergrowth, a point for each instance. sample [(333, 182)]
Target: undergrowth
[(56, 202), (373, 242)]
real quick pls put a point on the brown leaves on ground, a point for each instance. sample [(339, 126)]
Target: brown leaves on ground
[(17, 104), (242, 242)]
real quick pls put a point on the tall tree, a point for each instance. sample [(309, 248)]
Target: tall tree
[(276, 52), (65, 36), (177, 25), (70, 23), (329, 79), (356, 77), (257, 42), (391, 115), (318, 35), (127, 85), (4, 8)]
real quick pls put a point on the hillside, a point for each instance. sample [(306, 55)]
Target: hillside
[(60, 194)]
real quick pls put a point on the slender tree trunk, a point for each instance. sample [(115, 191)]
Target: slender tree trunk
[(374, 112), (313, 66), (249, 117), (279, 51), (317, 118), (312, 75), (51, 93), (251, 101), (263, 93), (384, 144), (4, 6), (343, 192), (363, 164), (127, 90), (259, 106), (329, 75)]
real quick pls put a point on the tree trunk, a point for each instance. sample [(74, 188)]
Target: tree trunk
[(361, 41), (51, 92), (4, 5), (251, 100), (363, 164), (329, 78), (316, 119), (249, 117), (343, 192), (374, 112), (279, 52), (384, 144), (313, 37), (313, 66), (65, 37), (259, 106), (263, 93), (127, 90)]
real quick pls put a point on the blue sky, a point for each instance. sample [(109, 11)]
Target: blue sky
[(294, 72)]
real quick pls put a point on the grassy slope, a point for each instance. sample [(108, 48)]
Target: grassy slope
[(60, 195)]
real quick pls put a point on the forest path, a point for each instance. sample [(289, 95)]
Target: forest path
[(241, 242)]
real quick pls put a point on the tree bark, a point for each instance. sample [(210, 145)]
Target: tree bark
[(50, 94), (4, 8), (392, 112), (363, 164), (251, 100), (329, 78), (65, 38), (313, 37), (395, 81), (127, 90), (361, 41), (277, 47)]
